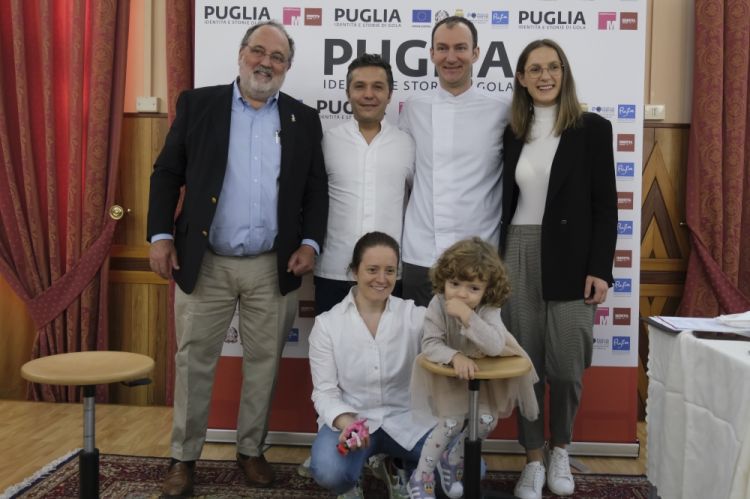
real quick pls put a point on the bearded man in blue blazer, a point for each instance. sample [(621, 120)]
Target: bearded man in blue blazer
[(252, 221)]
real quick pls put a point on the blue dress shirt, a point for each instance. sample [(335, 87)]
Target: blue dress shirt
[(245, 222)]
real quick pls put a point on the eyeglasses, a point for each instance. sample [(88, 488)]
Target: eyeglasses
[(555, 69), (260, 53)]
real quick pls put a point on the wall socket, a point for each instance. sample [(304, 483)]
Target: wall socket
[(654, 112), (147, 104)]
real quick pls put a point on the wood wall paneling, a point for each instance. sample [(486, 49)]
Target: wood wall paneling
[(664, 240), (138, 297), (17, 333), (141, 140), (138, 323)]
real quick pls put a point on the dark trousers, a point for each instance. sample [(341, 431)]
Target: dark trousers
[(328, 292), (417, 284)]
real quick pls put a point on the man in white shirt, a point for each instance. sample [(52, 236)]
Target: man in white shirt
[(370, 164), (458, 181)]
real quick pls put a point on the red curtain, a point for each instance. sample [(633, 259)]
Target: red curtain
[(62, 67), (718, 170), (180, 55)]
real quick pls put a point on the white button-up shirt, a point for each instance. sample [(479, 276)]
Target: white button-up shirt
[(367, 185), (458, 181), (356, 372)]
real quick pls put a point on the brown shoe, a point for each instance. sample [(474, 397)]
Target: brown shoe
[(256, 469), (179, 480)]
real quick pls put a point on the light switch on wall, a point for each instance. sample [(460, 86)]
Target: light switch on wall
[(147, 104), (654, 112)]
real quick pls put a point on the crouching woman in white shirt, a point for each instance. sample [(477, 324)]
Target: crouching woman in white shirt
[(361, 355)]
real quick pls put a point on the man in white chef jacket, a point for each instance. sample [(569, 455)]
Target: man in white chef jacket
[(458, 132)]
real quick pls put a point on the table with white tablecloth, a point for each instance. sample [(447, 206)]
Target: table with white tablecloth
[(698, 416)]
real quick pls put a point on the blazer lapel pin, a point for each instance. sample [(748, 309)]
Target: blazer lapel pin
[(294, 120)]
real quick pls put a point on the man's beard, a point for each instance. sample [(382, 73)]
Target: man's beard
[(261, 89)]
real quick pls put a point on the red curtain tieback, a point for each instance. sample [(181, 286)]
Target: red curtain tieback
[(55, 299)]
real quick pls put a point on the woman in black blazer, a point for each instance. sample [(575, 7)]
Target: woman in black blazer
[(558, 239)]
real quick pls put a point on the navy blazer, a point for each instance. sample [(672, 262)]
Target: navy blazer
[(195, 156), (579, 225)]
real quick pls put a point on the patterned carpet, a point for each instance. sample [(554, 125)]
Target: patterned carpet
[(140, 477)]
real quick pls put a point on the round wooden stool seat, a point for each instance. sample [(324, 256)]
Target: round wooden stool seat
[(489, 367), (87, 368)]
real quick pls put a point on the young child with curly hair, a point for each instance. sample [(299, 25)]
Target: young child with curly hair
[(463, 323)]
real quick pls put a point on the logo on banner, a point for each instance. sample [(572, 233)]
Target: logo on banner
[(478, 17), (421, 16), (293, 336), (601, 343), (624, 200), (292, 16), (370, 18), (551, 19), (624, 258), (306, 308), (625, 170), (440, 15), (313, 16), (607, 20), (626, 112), (621, 343), (626, 142), (623, 286), (601, 316), (603, 111), (234, 14), (621, 316), (625, 228), (334, 109), (628, 20), (500, 18)]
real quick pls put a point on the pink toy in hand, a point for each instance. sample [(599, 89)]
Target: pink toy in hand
[(354, 434)]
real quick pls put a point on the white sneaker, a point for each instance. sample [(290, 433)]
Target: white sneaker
[(353, 493), (530, 485), (398, 489), (303, 469), (559, 478), (395, 478)]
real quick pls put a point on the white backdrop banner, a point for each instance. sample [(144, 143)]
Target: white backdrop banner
[(604, 41)]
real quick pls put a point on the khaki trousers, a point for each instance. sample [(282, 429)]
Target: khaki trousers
[(201, 322)]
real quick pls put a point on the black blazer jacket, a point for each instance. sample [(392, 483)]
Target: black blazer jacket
[(195, 156), (579, 226)]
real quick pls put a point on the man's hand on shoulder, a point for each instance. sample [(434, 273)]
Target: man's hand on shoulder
[(162, 257), (302, 261)]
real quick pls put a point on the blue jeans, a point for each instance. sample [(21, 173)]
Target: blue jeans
[(339, 473)]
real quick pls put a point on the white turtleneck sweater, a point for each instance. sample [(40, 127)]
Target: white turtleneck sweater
[(534, 166)]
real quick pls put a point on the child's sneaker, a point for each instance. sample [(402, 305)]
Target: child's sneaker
[(530, 485), (450, 476), (422, 488), (559, 478)]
